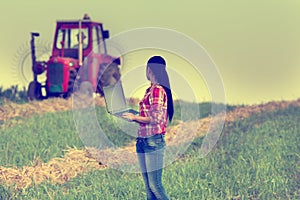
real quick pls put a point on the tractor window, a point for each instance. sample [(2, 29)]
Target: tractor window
[(102, 43), (69, 38), (96, 40), (98, 43)]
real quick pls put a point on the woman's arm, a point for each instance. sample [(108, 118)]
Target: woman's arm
[(156, 114), (136, 118)]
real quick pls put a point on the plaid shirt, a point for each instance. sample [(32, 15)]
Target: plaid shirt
[(154, 105)]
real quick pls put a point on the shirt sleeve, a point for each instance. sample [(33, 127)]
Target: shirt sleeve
[(157, 100)]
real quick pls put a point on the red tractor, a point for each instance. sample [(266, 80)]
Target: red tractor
[(77, 44)]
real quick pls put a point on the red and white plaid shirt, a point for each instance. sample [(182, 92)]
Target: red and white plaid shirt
[(154, 105)]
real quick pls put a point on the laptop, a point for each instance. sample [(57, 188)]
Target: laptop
[(115, 100)]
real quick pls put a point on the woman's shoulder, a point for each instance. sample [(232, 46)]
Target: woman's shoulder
[(157, 87), (158, 90)]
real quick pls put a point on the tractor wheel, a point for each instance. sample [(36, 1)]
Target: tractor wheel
[(108, 75), (34, 91), (86, 88)]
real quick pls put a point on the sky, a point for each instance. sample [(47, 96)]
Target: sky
[(255, 44)]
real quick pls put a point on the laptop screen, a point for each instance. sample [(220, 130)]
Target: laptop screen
[(114, 97)]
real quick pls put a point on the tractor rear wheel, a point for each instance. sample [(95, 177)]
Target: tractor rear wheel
[(34, 91), (108, 75), (86, 89)]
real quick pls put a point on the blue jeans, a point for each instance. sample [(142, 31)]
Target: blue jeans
[(150, 152)]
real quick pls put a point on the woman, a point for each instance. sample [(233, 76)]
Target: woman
[(156, 108)]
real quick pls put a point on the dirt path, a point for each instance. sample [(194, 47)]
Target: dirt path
[(75, 161)]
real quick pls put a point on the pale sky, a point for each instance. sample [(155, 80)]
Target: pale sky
[(254, 44)]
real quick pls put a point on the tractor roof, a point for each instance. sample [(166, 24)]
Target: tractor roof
[(76, 22), (85, 20)]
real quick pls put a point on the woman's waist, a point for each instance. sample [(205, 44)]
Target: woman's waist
[(154, 136), (145, 131)]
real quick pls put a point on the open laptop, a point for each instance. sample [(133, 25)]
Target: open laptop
[(115, 100)]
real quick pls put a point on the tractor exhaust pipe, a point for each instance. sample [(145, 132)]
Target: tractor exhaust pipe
[(33, 56), (80, 44)]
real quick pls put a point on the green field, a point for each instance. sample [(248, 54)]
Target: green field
[(255, 158)]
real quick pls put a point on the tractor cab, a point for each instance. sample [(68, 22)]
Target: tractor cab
[(71, 37), (77, 44)]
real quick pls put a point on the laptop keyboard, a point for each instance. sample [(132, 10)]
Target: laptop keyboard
[(126, 111)]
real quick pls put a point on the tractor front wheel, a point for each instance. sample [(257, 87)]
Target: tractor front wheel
[(34, 91)]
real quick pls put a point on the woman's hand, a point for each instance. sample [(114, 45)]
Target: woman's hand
[(129, 116), (136, 118)]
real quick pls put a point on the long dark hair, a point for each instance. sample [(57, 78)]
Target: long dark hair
[(157, 65)]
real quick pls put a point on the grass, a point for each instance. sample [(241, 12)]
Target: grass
[(38, 137), (255, 158), (47, 136)]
